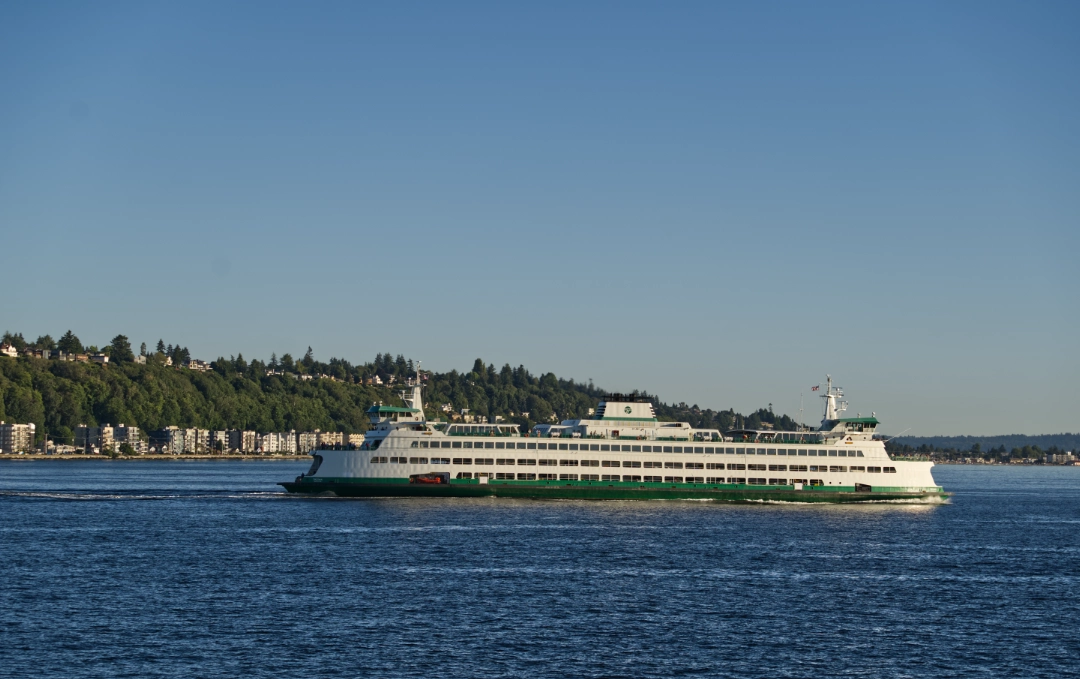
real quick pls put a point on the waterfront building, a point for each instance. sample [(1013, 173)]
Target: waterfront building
[(218, 441), (330, 438), (167, 440), (95, 439), (173, 440), (130, 435), (16, 438), (197, 441), (306, 441), (278, 442), (242, 441), (8, 350)]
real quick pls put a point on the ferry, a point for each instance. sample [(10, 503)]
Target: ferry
[(622, 452)]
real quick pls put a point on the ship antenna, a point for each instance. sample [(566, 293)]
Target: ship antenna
[(898, 435)]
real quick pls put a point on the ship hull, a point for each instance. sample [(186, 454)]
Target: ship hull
[(606, 491)]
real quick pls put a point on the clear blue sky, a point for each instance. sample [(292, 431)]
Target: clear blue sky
[(716, 202)]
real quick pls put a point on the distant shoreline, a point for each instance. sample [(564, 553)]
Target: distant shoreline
[(151, 458)]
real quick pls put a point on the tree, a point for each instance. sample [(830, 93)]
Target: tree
[(126, 449), (120, 350), (70, 344), (161, 346), (273, 361), (142, 349), (308, 360), (15, 340), (45, 342), (287, 363)]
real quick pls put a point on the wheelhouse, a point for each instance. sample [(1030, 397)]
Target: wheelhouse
[(380, 414)]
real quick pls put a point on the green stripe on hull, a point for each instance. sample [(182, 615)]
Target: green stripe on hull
[(582, 490)]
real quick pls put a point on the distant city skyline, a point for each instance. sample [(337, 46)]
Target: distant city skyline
[(715, 204)]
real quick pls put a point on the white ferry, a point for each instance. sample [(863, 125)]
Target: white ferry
[(623, 452)]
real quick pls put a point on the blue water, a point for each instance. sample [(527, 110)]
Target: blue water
[(203, 569)]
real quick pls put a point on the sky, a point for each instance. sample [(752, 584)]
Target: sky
[(718, 203)]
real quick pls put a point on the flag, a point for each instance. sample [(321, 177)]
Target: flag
[(814, 388)]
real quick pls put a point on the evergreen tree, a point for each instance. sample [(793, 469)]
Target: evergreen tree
[(142, 349), (16, 340), (45, 342), (70, 344), (160, 347), (120, 350)]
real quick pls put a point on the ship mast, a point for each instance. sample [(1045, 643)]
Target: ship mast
[(415, 401), (833, 405)]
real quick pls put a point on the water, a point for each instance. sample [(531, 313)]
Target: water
[(137, 568)]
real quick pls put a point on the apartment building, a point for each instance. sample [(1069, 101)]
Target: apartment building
[(278, 442), (242, 441), (95, 439), (307, 441), (17, 438), (330, 438)]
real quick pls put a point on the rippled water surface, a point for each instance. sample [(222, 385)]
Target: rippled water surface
[(143, 568)]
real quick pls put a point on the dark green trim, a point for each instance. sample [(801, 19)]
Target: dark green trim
[(601, 490)]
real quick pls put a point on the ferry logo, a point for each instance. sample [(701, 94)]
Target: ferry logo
[(628, 410)]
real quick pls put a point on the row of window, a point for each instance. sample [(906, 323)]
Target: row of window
[(632, 464), (632, 448), (633, 478)]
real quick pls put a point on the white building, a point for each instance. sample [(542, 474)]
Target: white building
[(17, 438), (218, 442), (307, 441), (278, 442), (330, 438), (122, 433)]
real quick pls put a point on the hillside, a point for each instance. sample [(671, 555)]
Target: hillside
[(59, 395), (990, 446)]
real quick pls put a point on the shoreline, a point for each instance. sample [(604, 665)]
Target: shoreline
[(151, 458)]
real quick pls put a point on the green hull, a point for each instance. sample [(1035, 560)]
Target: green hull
[(595, 490)]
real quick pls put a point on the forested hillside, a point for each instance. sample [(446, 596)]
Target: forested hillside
[(990, 448), (59, 395)]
